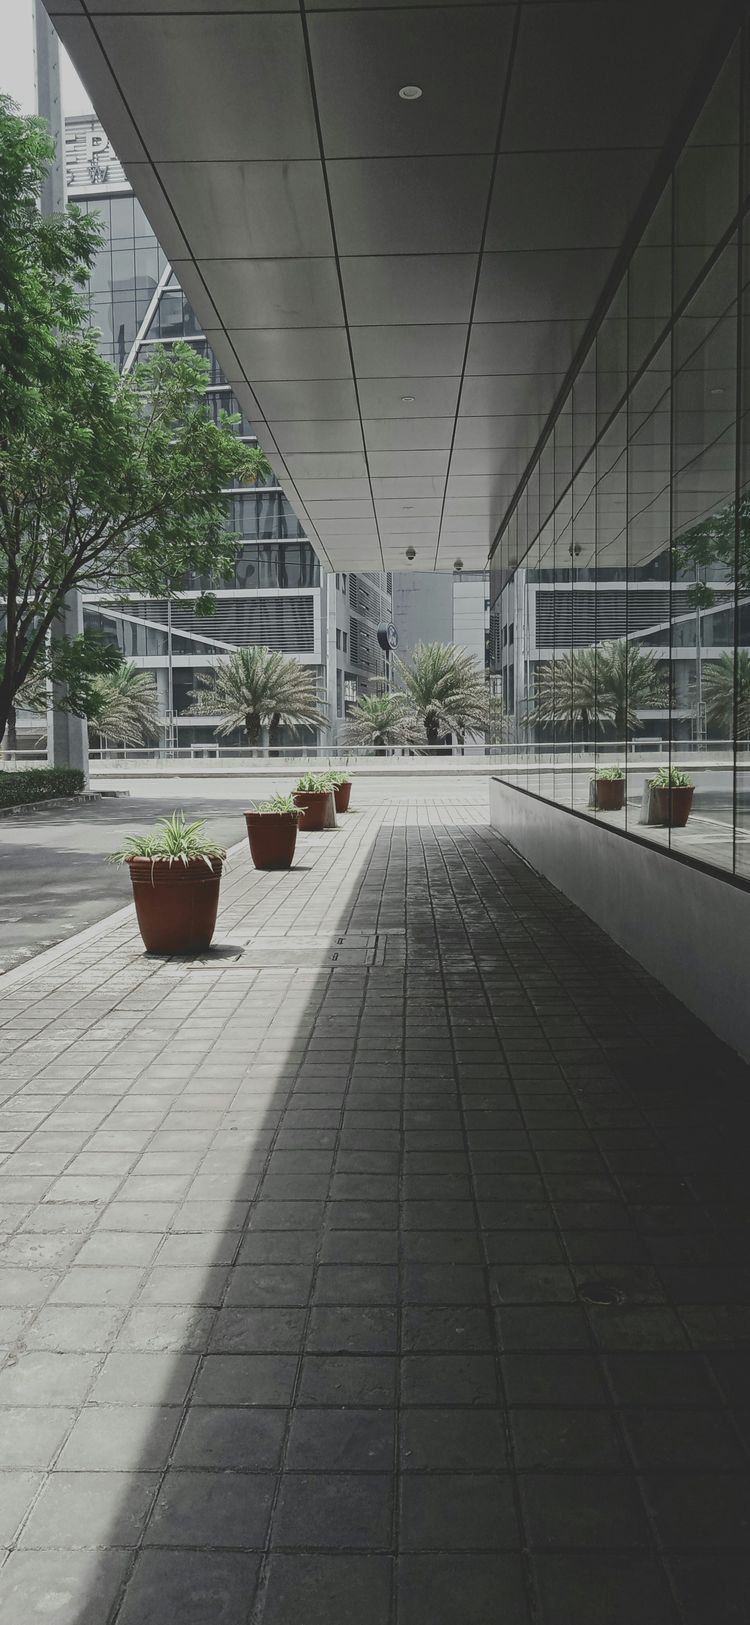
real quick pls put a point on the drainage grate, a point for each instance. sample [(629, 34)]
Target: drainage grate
[(296, 951)]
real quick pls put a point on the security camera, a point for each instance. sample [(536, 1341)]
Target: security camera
[(458, 565), (411, 553)]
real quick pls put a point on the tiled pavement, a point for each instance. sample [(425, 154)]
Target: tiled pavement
[(409, 1293)]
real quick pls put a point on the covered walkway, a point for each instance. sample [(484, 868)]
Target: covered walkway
[(388, 1267)]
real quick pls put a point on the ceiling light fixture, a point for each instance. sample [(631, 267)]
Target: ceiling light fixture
[(717, 391), (408, 397), (410, 93)]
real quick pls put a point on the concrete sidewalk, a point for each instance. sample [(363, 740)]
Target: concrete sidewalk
[(385, 1267)]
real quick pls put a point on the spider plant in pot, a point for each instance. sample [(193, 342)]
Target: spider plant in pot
[(176, 873), (272, 832), (312, 794), (674, 791), (609, 788), (341, 784)]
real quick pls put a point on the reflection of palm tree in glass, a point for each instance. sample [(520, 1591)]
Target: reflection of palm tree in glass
[(609, 683), (726, 689)]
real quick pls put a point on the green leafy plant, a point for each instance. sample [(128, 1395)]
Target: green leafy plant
[(672, 778), (175, 840), (39, 784), (312, 783), (258, 687), (277, 804), (380, 720), (727, 691), (109, 483), (608, 773), (336, 779)]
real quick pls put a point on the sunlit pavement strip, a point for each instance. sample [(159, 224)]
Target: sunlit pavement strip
[(395, 1278)]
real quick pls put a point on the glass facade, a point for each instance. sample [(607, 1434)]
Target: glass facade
[(620, 585)]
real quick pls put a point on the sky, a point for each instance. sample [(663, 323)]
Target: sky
[(17, 61)]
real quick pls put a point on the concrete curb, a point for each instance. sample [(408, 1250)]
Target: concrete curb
[(54, 801)]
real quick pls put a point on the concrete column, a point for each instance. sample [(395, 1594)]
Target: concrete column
[(67, 736)]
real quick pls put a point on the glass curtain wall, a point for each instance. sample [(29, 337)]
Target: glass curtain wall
[(629, 549)]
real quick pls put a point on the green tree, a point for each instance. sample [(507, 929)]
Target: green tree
[(123, 706), (727, 694), (446, 690), (257, 688), (108, 484), (723, 538), (380, 720), (608, 683)]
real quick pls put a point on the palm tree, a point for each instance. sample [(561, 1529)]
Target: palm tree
[(724, 689), (255, 688), (380, 720), (446, 690), (123, 706), (608, 683)]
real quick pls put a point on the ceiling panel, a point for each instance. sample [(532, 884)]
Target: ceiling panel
[(241, 209), (582, 199), (308, 398), (421, 350), (408, 397), (317, 435), (408, 288), (361, 59), (546, 286), (275, 293), (409, 205), (408, 434), (293, 352), (187, 84), (523, 346)]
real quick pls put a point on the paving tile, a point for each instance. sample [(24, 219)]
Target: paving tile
[(192, 1587), (227, 1438), (199, 1509), (84, 1509), (322, 1589), (341, 1510), (461, 1590), (81, 1587), (458, 1512), (452, 1440), (344, 1439), (578, 1587)]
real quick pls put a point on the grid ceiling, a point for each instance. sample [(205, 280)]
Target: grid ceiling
[(394, 289)]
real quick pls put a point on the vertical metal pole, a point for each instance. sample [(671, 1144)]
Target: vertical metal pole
[(170, 677)]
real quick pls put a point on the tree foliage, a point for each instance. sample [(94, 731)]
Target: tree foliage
[(724, 539), (109, 484), (257, 688), (379, 720), (446, 690), (123, 706), (726, 688), (608, 683)]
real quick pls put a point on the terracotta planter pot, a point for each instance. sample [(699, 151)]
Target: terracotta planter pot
[(610, 795), (341, 794), (272, 837), (314, 805), (176, 903), (673, 805)]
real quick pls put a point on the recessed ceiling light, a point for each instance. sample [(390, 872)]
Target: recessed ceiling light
[(408, 397), (410, 93), (717, 392)]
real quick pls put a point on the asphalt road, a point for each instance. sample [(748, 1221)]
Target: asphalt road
[(54, 877)]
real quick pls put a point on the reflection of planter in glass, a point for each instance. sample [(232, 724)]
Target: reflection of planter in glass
[(610, 795), (673, 804), (272, 837), (175, 903)]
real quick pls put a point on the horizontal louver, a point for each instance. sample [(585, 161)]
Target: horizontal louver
[(286, 622), (580, 618)]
